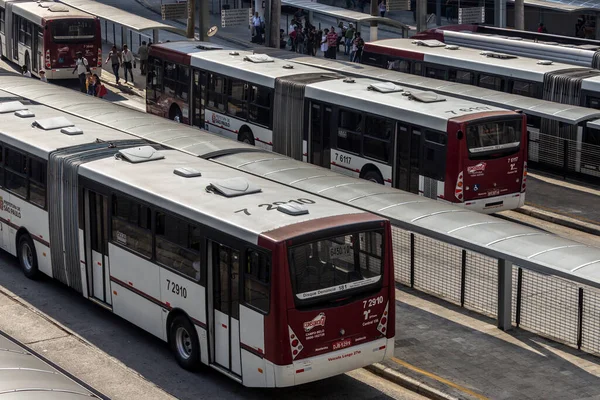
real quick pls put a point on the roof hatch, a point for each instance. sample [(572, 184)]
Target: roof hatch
[(141, 154), (501, 56), (259, 58), (24, 114), (544, 62), (233, 187), (427, 97), (72, 130), (58, 8), (292, 209), (187, 172), (11, 106), (429, 43), (209, 46), (385, 87), (52, 123)]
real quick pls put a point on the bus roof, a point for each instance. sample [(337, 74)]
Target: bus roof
[(397, 105), (238, 66), (464, 57), (188, 46), (38, 12), (245, 217)]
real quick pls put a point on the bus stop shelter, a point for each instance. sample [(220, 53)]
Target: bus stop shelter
[(342, 14), (127, 20)]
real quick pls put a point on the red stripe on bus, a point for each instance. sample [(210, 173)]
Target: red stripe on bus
[(17, 227), (250, 349), (348, 168)]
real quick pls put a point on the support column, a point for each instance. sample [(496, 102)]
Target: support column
[(597, 26), (438, 12), (373, 27), (123, 35), (520, 15), (500, 13), (504, 295), (191, 29), (421, 15), (154, 35), (203, 20), (275, 24)]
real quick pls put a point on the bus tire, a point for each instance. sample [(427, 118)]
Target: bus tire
[(27, 256), (246, 136), (175, 113), (184, 343), (374, 176)]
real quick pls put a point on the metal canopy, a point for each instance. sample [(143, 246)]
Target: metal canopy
[(522, 245), (565, 113), (121, 17), (343, 14), (565, 5)]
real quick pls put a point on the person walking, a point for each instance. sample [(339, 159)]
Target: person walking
[(359, 43), (128, 61), (25, 71), (115, 59), (349, 37), (81, 66), (324, 46), (143, 54), (257, 23), (382, 8)]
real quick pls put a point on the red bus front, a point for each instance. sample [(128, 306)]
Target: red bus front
[(336, 312), (63, 38), (487, 161)]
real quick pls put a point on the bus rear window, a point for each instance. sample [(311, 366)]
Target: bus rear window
[(73, 29), (332, 268), (493, 136)]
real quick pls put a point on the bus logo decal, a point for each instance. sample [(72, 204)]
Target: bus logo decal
[(477, 170), (319, 320)]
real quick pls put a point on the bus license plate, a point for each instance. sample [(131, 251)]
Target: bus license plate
[(494, 192), (342, 344)]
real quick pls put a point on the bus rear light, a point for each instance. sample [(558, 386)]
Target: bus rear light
[(99, 64), (295, 344), (458, 190), (524, 181), (382, 327), (48, 65)]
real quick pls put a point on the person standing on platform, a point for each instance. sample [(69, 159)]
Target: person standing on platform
[(115, 59), (82, 67), (332, 41), (143, 54), (127, 62)]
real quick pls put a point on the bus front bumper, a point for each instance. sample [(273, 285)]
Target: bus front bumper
[(496, 204)]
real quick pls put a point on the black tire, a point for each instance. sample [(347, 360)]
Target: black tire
[(246, 137), (373, 176), (28, 257), (184, 343)]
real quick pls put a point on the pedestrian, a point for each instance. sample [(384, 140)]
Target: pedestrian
[(81, 66), (349, 37), (100, 88), (449, 10), (257, 23), (359, 43), (43, 76), (580, 28), (542, 28), (128, 62), (324, 46), (332, 43), (90, 84), (25, 71), (292, 36), (115, 59), (310, 41), (382, 8), (300, 38), (143, 54)]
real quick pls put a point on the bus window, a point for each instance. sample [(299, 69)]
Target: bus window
[(417, 68), (376, 143), (591, 136), (16, 172), (435, 73), (259, 109), (349, 131), (460, 76), (183, 82), (73, 30), (170, 78), (174, 246), (2, 16), (216, 88), (131, 227), (524, 88), (491, 82), (257, 278), (434, 155), (593, 102), (237, 98), (498, 137), (399, 65), (37, 182)]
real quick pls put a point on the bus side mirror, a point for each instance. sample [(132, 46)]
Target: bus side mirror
[(459, 135)]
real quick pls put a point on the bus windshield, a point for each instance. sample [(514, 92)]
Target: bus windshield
[(493, 136), (69, 30), (321, 270)]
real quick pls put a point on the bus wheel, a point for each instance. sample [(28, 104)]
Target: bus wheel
[(175, 114), (28, 257), (373, 176), (246, 137), (184, 342)]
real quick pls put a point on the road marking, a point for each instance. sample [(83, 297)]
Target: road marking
[(439, 379)]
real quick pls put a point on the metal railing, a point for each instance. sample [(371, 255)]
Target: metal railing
[(549, 306)]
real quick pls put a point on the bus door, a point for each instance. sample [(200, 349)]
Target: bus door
[(319, 147), (96, 246), (224, 309), (198, 98), (15, 39), (408, 144), (37, 51)]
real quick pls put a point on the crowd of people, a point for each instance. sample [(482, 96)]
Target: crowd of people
[(304, 38)]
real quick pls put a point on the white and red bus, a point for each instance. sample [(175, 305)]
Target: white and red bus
[(47, 35), (444, 148), (270, 285)]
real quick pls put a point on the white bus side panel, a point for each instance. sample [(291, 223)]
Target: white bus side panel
[(352, 164), (226, 126), (140, 284), (253, 335), (178, 292), (82, 265)]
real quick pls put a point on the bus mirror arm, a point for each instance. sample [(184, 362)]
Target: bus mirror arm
[(459, 135)]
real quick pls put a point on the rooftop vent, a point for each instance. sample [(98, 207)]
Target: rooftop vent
[(452, 47), (187, 172), (501, 56), (209, 46), (349, 80), (427, 97), (24, 114), (58, 8), (233, 187), (11, 106), (259, 58), (385, 87), (141, 154), (292, 209), (545, 62), (429, 43), (234, 53), (288, 66), (72, 130), (52, 123)]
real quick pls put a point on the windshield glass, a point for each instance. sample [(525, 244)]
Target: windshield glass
[(492, 136), (330, 266), (73, 29)]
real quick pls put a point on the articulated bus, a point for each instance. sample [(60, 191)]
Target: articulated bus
[(441, 147), (47, 35), (270, 285)]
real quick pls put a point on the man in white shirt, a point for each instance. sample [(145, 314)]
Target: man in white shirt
[(257, 23), (25, 71), (81, 66), (127, 62), (43, 76)]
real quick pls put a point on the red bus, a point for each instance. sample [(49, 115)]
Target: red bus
[(47, 36), (444, 148)]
